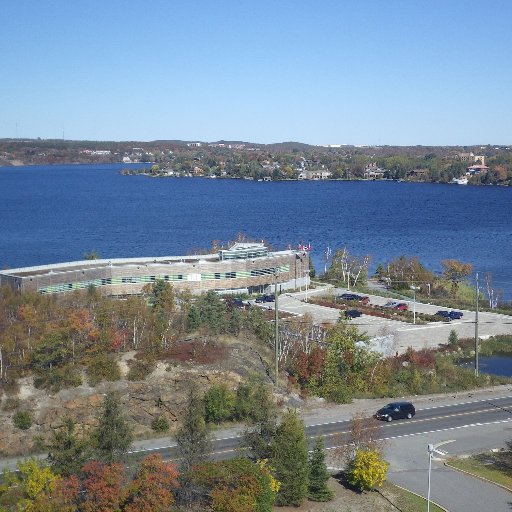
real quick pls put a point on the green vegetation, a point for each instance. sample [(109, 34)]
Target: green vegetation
[(318, 474), (406, 501), (22, 420), (112, 437), (160, 424), (102, 368), (495, 467)]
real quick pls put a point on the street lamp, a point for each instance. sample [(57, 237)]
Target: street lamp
[(414, 288), (276, 321), (433, 448)]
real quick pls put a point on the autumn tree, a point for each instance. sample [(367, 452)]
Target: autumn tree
[(318, 474), (290, 460), (113, 436), (102, 487), (367, 469), (455, 271), (152, 488)]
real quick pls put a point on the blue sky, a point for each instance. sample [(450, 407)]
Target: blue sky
[(321, 72)]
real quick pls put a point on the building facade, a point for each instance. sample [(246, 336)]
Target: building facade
[(244, 268)]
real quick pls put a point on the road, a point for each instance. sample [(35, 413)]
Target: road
[(404, 334), (471, 427)]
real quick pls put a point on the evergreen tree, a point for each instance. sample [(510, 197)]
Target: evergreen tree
[(193, 319), (193, 436), (318, 475), (453, 338), (113, 436), (254, 402), (66, 451), (213, 312), (290, 460)]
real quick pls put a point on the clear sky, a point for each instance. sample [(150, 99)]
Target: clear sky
[(321, 72)]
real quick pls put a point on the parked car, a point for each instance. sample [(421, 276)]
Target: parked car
[(266, 298), (352, 313), (237, 303), (396, 411), (393, 304), (362, 299), (450, 315)]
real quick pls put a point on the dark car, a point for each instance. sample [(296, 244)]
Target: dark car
[(266, 298), (236, 303), (444, 314), (362, 299), (456, 315), (396, 411), (352, 313)]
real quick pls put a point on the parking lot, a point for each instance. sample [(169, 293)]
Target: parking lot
[(404, 334)]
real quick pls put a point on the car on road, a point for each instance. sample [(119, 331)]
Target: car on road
[(265, 298), (396, 411), (393, 304), (362, 299), (444, 314), (352, 313)]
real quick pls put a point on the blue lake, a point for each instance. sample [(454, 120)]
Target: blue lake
[(56, 213), (497, 364)]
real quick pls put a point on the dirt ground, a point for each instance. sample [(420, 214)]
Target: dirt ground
[(347, 500)]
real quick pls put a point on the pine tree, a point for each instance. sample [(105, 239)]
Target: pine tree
[(318, 475), (193, 319), (67, 452), (113, 436), (290, 460), (193, 437)]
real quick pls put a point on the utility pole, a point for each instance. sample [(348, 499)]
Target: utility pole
[(276, 321), (476, 328), (414, 288)]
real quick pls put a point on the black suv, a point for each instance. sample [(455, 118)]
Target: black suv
[(265, 298), (396, 411)]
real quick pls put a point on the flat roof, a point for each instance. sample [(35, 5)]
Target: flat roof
[(75, 266)]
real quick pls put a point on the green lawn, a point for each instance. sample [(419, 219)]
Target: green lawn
[(493, 466), (406, 501)]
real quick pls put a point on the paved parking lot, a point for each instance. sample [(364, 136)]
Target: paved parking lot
[(404, 334)]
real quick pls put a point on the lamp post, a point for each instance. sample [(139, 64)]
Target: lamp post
[(433, 448), (276, 321), (414, 288), (476, 328)]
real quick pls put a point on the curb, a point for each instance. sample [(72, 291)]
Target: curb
[(420, 496), (478, 476)]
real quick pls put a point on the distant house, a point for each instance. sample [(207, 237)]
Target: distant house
[(372, 172), (315, 175), (476, 169)]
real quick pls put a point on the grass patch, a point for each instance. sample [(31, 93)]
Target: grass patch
[(406, 501), (492, 466)]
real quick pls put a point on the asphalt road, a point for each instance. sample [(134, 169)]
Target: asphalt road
[(471, 426)]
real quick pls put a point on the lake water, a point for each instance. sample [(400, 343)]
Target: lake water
[(57, 213), (497, 364)]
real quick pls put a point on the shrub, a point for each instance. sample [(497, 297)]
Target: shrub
[(102, 368), (58, 378), (219, 403), (453, 338), (22, 420), (367, 469), (140, 369), (160, 424)]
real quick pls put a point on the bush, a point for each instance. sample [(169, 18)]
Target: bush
[(58, 378), (102, 368), (22, 420), (219, 403), (140, 369), (367, 469), (160, 424)]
